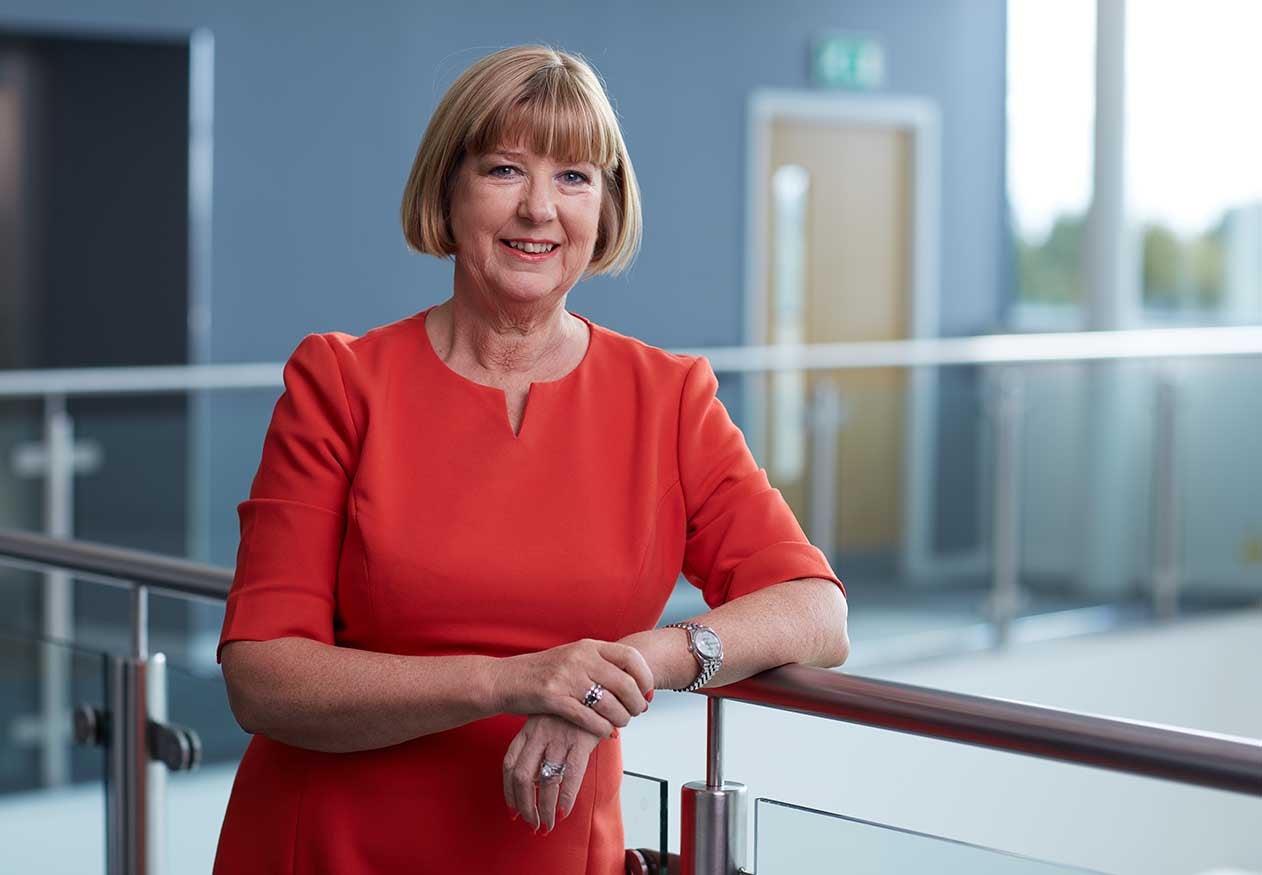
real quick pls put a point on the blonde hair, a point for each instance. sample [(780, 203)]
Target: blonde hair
[(540, 97)]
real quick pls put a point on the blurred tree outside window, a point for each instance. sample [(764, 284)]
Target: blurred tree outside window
[(1193, 137), (1051, 106)]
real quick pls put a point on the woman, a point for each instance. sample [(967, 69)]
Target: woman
[(466, 524)]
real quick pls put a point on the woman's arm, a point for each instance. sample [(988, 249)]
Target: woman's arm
[(798, 621), (335, 699), (310, 694)]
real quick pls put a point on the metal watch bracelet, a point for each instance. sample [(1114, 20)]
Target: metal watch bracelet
[(708, 666)]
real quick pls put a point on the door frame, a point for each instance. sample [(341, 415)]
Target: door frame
[(919, 117)]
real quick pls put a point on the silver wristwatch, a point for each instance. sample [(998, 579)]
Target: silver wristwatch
[(704, 644)]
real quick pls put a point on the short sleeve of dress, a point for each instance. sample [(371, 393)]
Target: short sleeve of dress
[(741, 533), (294, 520)]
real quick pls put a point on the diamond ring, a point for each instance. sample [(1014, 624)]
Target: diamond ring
[(550, 772), (593, 695)]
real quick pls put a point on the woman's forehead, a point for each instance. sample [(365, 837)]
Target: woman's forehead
[(520, 151)]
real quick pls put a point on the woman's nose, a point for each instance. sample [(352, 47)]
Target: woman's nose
[(536, 204)]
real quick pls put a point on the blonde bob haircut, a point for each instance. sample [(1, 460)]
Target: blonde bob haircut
[(535, 96)]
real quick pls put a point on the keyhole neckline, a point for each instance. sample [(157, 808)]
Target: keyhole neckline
[(499, 394)]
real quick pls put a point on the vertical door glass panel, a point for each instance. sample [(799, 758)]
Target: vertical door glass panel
[(790, 185)]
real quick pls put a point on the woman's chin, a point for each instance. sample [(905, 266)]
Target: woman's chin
[(532, 289)]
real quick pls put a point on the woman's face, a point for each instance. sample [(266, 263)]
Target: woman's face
[(510, 201)]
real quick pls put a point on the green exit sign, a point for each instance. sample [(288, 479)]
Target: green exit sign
[(846, 60)]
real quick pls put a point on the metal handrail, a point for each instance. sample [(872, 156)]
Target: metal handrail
[(117, 564), (1187, 756), (1073, 346), (1130, 746)]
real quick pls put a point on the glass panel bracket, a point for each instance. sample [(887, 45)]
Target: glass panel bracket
[(134, 733)]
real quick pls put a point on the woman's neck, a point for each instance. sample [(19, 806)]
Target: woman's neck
[(503, 343)]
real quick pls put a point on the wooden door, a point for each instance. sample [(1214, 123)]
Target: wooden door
[(840, 217)]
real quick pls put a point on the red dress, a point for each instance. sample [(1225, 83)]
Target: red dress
[(394, 510)]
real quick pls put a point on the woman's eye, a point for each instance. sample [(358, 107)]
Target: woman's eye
[(508, 169), (573, 177)]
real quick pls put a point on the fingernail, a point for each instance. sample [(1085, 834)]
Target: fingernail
[(565, 812), (649, 695), (515, 815)]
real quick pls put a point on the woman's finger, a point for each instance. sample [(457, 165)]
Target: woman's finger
[(586, 718), (510, 760), (610, 705), (623, 686), (557, 751), (575, 768), (525, 770), (631, 661)]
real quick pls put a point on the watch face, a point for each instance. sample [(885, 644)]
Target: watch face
[(708, 645)]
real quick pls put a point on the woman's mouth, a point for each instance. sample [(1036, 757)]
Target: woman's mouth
[(531, 250)]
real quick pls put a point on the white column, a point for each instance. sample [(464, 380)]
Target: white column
[(1113, 302), (1242, 304)]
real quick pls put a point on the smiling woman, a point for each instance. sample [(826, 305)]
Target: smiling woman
[(444, 609), (525, 229), (528, 98)]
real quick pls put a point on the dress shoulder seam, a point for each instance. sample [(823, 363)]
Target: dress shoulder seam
[(346, 395)]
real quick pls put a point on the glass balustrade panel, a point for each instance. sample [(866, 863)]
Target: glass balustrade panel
[(197, 698), (1070, 814), (52, 790), (889, 472), (645, 812), (791, 840)]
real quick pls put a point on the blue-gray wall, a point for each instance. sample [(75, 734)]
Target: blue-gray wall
[(319, 107)]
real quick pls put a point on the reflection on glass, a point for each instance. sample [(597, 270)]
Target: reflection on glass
[(52, 791), (804, 841)]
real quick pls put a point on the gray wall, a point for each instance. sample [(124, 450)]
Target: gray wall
[(319, 107)]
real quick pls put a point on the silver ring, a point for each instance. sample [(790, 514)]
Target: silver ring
[(550, 773), (593, 695)]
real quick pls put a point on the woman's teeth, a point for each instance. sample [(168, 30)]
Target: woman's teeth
[(531, 247)]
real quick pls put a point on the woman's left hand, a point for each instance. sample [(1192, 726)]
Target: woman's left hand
[(559, 741)]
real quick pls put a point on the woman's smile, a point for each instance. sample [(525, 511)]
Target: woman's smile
[(531, 250)]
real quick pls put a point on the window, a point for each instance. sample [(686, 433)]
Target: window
[(1192, 137), (1193, 144), (1051, 104)]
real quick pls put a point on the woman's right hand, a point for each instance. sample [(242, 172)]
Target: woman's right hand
[(554, 681)]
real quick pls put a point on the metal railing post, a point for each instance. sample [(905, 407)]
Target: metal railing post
[(156, 770), (713, 835), (127, 767), (1165, 571), (141, 748), (1005, 595), (127, 740), (58, 600)]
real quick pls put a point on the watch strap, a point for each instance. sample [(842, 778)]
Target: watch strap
[(708, 666)]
